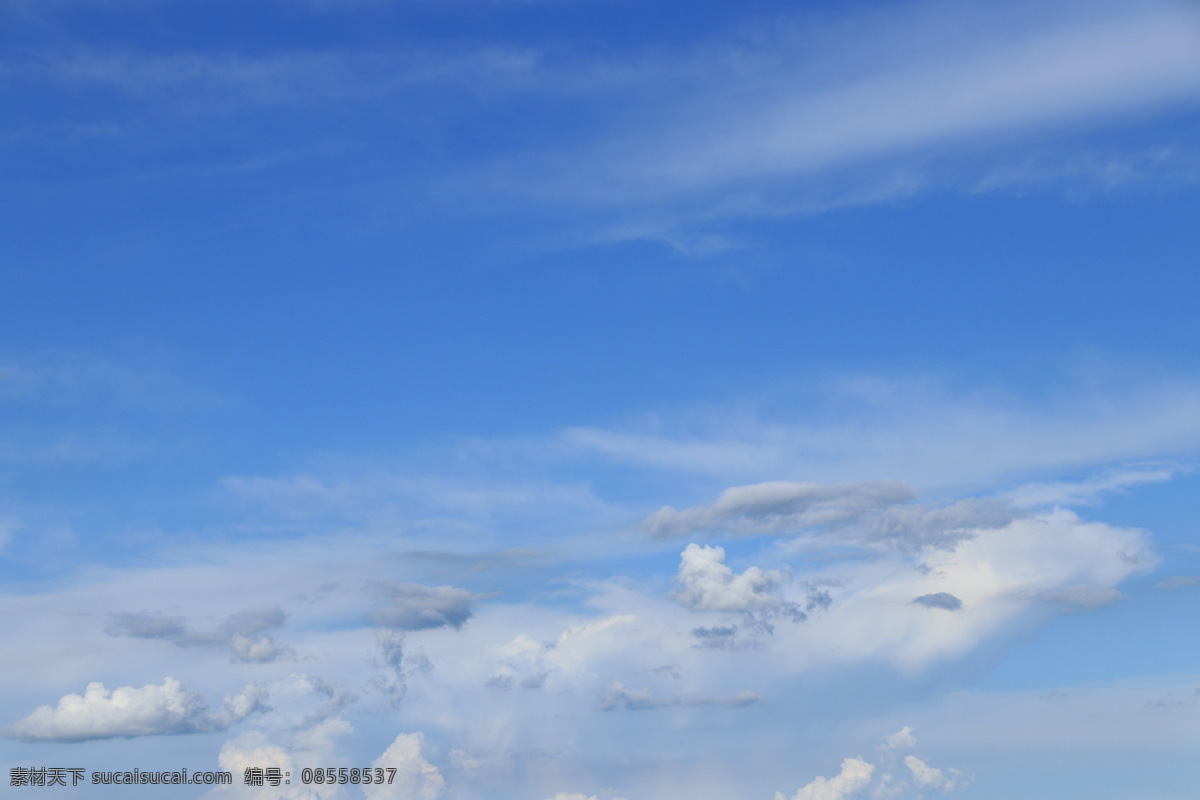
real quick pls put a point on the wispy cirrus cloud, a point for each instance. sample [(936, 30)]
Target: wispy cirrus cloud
[(916, 432), (802, 115)]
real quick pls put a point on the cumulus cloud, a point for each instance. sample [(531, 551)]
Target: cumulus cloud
[(152, 710), (243, 634), (778, 506), (902, 739), (413, 607), (254, 749), (858, 775), (855, 775), (530, 663), (416, 778), (312, 745), (577, 796), (705, 583), (927, 776), (304, 729)]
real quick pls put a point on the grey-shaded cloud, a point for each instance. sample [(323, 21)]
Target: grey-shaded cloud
[(777, 507), (413, 607), (939, 600), (617, 695), (714, 632), (878, 514), (393, 681), (153, 710), (912, 526), (244, 633)]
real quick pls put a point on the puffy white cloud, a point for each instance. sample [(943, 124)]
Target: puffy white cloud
[(416, 778), (927, 776), (253, 750), (294, 736), (577, 796), (902, 739), (705, 583), (530, 663), (858, 775), (311, 746), (151, 710), (855, 775), (938, 603)]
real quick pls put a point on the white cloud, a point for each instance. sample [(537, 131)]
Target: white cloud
[(312, 746), (149, 711), (706, 583), (910, 431), (927, 776), (1075, 69), (858, 775), (855, 776), (568, 656), (416, 778), (902, 739), (968, 593), (254, 749), (1088, 491)]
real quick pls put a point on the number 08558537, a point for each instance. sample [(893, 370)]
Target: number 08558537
[(324, 775)]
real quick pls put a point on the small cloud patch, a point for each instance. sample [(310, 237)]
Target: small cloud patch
[(943, 600)]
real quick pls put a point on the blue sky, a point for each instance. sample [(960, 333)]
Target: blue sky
[(598, 400)]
